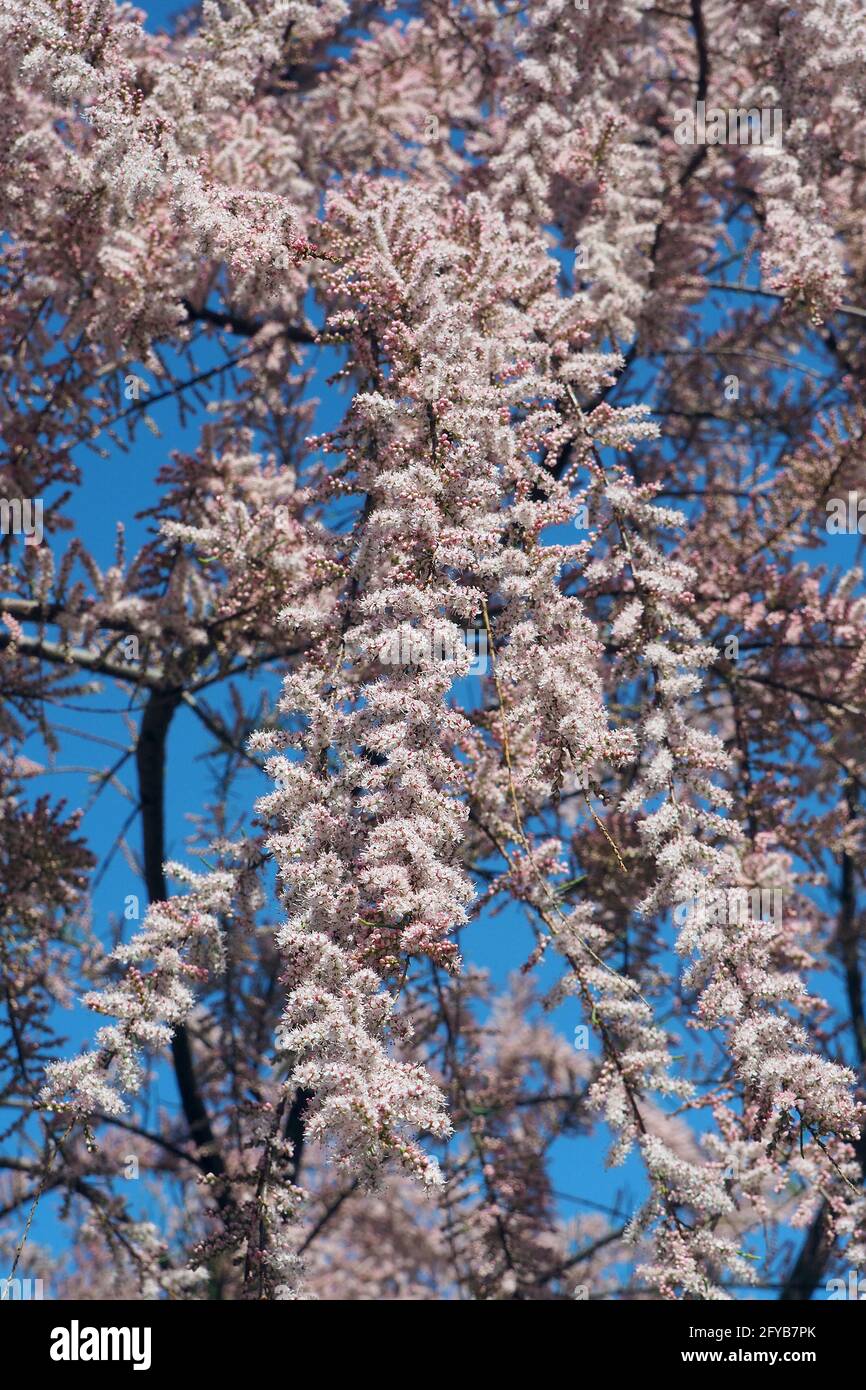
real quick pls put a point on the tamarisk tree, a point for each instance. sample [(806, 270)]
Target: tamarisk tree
[(592, 354)]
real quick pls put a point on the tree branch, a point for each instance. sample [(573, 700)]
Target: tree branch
[(150, 762)]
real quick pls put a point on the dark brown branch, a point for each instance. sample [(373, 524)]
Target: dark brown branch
[(244, 327), (150, 762), (811, 1262), (295, 1130), (848, 938), (60, 655), (818, 1246)]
